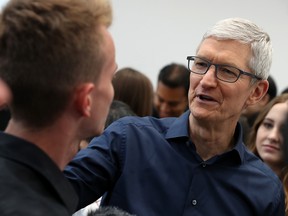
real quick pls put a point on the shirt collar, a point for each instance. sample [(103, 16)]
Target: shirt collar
[(180, 129), (239, 145)]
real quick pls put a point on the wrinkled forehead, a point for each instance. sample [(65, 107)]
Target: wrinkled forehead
[(231, 52)]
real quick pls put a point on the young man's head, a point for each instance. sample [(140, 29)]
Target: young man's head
[(56, 53), (171, 92), (58, 60)]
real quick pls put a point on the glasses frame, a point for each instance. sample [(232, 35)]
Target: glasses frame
[(191, 58)]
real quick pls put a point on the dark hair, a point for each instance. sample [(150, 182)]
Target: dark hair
[(135, 89), (285, 90), (118, 109), (108, 211), (175, 75), (272, 90), (46, 49)]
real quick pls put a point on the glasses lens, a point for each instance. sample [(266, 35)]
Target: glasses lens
[(198, 65), (227, 73)]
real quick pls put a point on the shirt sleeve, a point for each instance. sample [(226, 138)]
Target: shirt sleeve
[(95, 169)]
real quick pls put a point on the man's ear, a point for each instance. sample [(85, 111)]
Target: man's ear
[(265, 99), (83, 99), (5, 94), (259, 91)]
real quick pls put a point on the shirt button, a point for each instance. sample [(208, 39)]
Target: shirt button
[(194, 202), (203, 164)]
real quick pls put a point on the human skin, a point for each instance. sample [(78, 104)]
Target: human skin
[(170, 102), (216, 105), (5, 94), (270, 139), (103, 92)]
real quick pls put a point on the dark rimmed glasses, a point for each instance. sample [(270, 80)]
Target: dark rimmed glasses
[(225, 73)]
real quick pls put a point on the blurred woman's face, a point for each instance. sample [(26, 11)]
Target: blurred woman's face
[(270, 136)]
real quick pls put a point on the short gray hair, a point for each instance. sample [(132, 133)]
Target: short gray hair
[(246, 32)]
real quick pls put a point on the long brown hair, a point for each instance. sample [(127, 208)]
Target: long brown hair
[(252, 141), (135, 89)]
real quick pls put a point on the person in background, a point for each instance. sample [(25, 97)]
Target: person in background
[(251, 112), (170, 98), (195, 164), (118, 109), (58, 61), (135, 89), (269, 141)]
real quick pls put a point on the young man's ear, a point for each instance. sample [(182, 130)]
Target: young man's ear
[(83, 99), (5, 94), (258, 92)]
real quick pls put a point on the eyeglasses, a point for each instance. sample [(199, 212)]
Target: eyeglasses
[(225, 73)]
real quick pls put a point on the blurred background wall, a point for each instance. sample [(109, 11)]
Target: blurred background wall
[(152, 33)]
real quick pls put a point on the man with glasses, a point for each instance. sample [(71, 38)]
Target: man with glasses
[(196, 164), (225, 73)]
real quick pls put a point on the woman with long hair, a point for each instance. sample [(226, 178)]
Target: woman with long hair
[(269, 139)]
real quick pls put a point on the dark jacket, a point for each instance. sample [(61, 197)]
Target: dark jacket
[(30, 182)]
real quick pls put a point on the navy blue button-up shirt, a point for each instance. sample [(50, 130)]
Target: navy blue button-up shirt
[(149, 167)]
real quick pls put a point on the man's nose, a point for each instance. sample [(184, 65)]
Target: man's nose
[(210, 77)]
